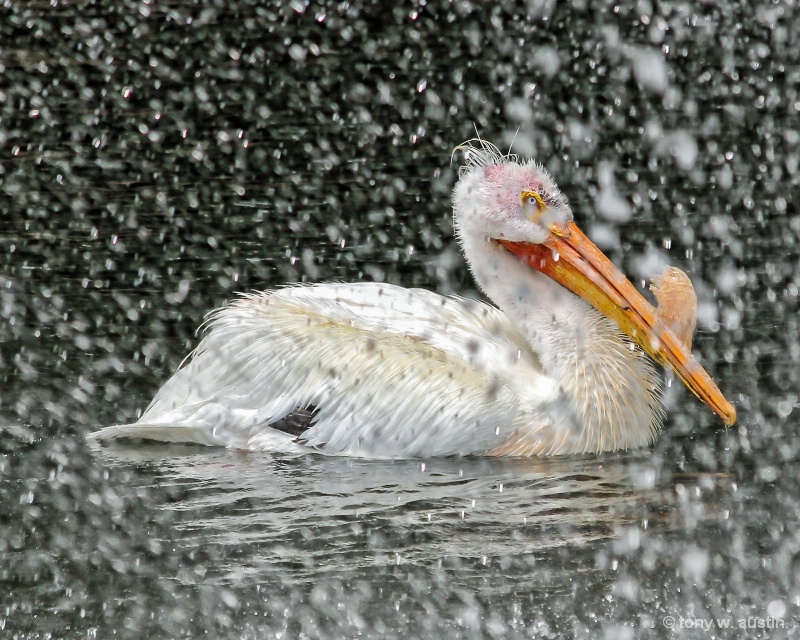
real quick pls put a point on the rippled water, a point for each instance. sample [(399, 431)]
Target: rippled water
[(194, 539), (132, 139)]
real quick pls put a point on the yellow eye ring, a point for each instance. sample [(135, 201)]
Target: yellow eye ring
[(533, 199)]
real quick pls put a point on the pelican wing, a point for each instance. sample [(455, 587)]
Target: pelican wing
[(380, 370)]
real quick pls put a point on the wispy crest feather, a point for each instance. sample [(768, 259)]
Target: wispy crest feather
[(480, 153)]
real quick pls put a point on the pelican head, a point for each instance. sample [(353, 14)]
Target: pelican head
[(506, 207), (510, 199)]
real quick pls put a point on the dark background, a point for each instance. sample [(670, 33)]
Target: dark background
[(157, 157)]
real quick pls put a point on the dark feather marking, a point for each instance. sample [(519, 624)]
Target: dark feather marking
[(296, 423)]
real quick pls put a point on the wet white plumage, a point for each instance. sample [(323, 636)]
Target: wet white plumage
[(393, 372)]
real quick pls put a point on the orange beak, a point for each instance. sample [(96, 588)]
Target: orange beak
[(572, 260)]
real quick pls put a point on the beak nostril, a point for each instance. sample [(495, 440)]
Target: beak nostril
[(557, 223), (560, 230)]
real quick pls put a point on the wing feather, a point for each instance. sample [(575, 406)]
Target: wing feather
[(391, 372)]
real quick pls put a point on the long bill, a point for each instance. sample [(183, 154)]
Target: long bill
[(575, 262)]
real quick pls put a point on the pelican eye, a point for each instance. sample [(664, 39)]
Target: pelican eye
[(532, 199), (533, 205)]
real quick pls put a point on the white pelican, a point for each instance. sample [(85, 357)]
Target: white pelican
[(376, 370)]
